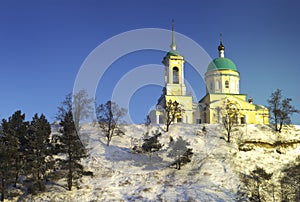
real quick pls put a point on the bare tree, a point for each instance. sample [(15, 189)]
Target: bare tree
[(80, 105), (173, 110), (109, 116), (281, 110), (230, 114), (274, 106)]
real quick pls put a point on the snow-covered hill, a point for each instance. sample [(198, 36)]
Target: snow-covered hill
[(212, 175)]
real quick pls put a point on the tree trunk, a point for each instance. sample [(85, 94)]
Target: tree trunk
[(70, 174), (167, 127), (109, 136), (2, 189), (276, 123), (179, 163), (258, 193), (280, 127), (228, 136)]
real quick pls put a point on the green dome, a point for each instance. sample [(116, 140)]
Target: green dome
[(221, 63), (173, 53)]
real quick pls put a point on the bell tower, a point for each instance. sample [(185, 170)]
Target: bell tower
[(174, 70), (175, 89)]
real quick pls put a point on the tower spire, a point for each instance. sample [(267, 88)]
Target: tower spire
[(221, 47), (173, 44)]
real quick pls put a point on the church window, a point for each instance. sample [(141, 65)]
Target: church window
[(175, 75), (226, 84)]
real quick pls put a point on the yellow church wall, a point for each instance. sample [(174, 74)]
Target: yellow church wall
[(175, 89), (215, 81), (247, 111), (175, 61), (186, 103), (214, 97)]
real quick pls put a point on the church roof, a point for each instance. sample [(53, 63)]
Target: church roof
[(221, 63), (173, 53)]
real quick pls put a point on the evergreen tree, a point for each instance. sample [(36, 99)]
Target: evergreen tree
[(151, 144), (72, 148), (259, 175), (290, 189), (179, 149), (38, 153), (17, 127), (9, 146)]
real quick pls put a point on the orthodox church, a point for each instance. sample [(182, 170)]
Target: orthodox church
[(222, 88)]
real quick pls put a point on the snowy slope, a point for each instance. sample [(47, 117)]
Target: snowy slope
[(212, 175)]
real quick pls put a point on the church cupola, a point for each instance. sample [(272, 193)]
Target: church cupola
[(221, 48), (222, 75)]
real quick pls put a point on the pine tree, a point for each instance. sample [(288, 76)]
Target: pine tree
[(259, 175), (179, 148), (151, 144), (38, 153), (17, 127), (72, 148), (9, 146), (290, 189)]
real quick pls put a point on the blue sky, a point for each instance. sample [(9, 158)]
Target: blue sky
[(44, 43)]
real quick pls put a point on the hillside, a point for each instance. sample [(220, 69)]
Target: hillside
[(214, 173)]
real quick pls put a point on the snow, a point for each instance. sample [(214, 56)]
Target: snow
[(212, 175)]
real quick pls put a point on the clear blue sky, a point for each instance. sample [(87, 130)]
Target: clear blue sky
[(44, 43)]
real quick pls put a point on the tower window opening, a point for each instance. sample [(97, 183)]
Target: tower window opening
[(175, 75), (218, 85), (226, 84)]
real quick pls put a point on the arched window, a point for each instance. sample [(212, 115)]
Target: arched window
[(175, 75), (226, 84)]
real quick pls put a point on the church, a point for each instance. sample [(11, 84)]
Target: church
[(222, 88)]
